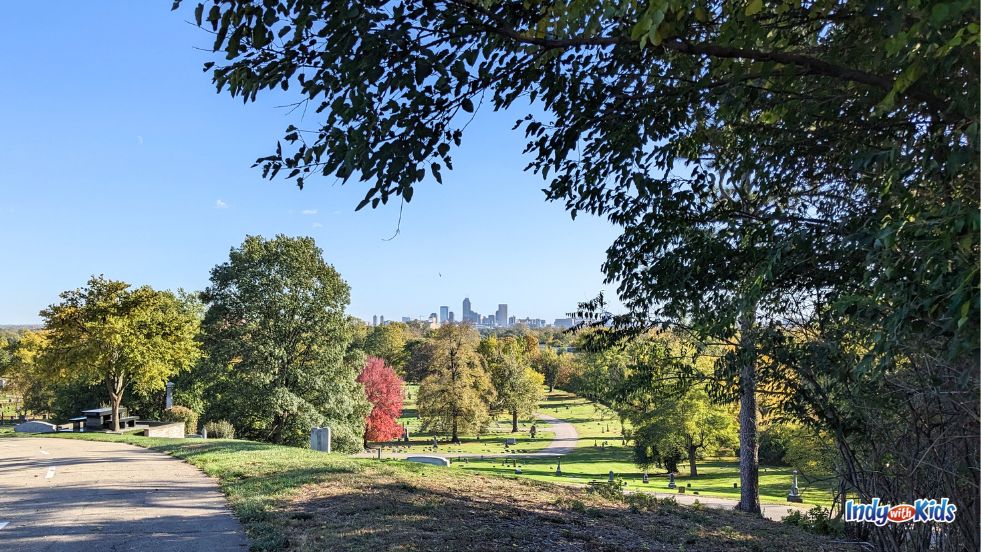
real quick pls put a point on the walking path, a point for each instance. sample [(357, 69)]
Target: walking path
[(60, 495)]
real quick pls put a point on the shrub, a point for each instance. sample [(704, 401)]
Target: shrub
[(183, 414), (816, 520), (610, 490), (220, 429)]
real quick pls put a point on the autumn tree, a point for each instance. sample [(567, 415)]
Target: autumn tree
[(383, 387), (457, 394), (123, 338), (387, 341), (518, 386), (277, 338)]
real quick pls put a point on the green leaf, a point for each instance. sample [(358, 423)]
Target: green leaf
[(754, 7), (467, 105)]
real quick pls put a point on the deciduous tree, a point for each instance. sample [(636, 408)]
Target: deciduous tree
[(124, 338), (383, 387), (277, 338), (457, 394)]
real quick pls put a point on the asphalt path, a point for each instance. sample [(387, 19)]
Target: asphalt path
[(61, 495)]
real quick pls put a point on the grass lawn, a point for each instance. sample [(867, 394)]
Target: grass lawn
[(591, 461), (297, 499), (491, 442)]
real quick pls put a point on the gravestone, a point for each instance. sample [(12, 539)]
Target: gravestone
[(611, 476), (558, 468), (645, 476), (433, 460), (794, 495), (405, 434), (671, 483), (320, 439), (510, 441), (169, 401), (435, 442), (35, 426)]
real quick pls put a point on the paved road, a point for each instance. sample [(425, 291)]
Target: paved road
[(61, 495), (563, 442)]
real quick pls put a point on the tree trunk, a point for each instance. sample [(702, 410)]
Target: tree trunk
[(692, 470), (514, 421), (749, 464), (114, 385), (455, 437)]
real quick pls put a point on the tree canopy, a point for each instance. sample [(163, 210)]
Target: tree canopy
[(277, 338), (123, 338)]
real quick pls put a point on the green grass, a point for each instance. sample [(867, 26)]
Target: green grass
[(297, 499), (491, 442), (592, 461)]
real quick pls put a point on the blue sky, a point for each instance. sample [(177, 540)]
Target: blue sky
[(117, 157)]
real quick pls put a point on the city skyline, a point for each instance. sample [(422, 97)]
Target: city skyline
[(444, 315)]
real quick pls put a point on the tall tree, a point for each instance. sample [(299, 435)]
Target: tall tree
[(518, 386), (123, 338), (277, 339), (383, 388), (456, 395)]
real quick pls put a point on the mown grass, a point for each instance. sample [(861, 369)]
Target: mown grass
[(296, 499), (601, 450)]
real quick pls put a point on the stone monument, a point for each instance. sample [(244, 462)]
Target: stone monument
[(320, 439), (169, 401), (794, 495), (671, 483)]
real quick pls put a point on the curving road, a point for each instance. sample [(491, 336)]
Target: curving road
[(61, 495)]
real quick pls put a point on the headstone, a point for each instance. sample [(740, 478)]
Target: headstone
[(320, 439), (169, 401), (435, 442), (645, 477), (433, 460), (517, 470), (204, 432), (405, 434), (534, 431), (681, 490), (794, 495), (35, 426), (671, 483), (558, 468), (510, 441), (611, 476), (379, 453)]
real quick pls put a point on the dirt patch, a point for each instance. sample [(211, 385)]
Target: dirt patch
[(478, 513)]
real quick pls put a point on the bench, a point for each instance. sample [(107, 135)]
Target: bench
[(127, 421)]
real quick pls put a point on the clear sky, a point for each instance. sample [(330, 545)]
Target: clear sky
[(117, 157)]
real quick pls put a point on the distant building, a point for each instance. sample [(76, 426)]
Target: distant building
[(564, 323), (433, 321), (511, 321), (450, 317), (374, 320), (406, 319), (466, 309), (444, 314), (502, 315), (381, 320)]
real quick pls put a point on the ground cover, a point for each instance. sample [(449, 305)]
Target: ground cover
[(298, 499)]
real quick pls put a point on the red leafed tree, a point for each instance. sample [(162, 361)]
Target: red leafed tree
[(384, 389)]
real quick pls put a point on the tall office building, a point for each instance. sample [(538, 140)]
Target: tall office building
[(381, 320), (444, 314), (502, 315), (450, 317), (466, 309), (374, 320)]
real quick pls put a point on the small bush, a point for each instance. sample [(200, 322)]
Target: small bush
[(642, 502), (183, 414), (220, 429), (610, 490), (817, 520)]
